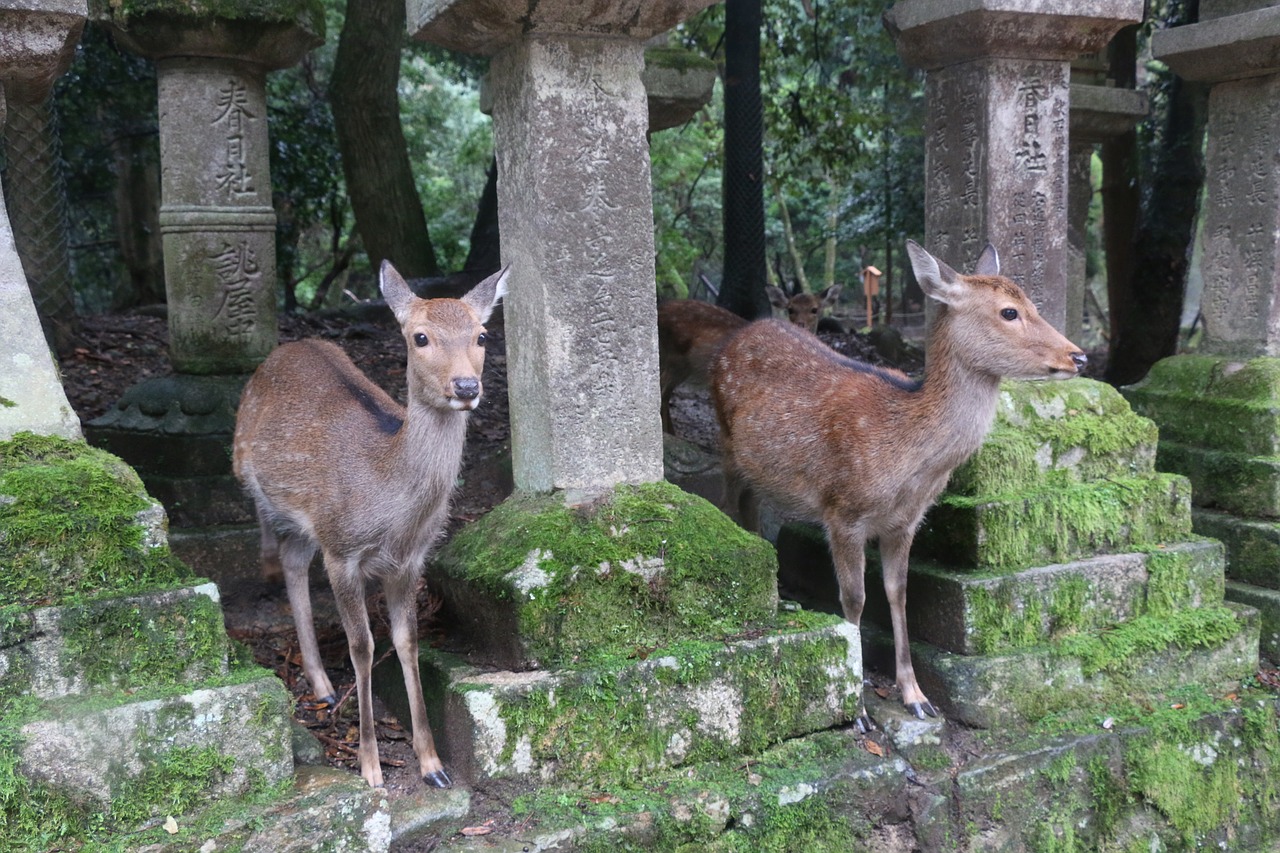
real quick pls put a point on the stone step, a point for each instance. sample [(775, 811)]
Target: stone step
[(1215, 647), (133, 757), (1056, 524), (1253, 545), (694, 701), (1048, 434), (1267, 603), (114, 644), (1233, 482)]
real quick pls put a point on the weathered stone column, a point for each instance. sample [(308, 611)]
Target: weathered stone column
[(1217, 411), (575, 209), (39, 41), (996, 132)]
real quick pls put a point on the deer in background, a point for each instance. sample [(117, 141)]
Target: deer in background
[(865, 451), (690, 331), (334, 464)]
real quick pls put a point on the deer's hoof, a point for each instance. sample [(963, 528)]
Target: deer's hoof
[(438, 779), (864, 724), (922, 708)]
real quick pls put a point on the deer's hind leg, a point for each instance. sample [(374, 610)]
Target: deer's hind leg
[(295, 554), (401, 590)]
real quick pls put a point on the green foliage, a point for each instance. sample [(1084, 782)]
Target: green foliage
[(1116, 650)]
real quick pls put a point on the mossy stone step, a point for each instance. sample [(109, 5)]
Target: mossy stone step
[(538, 583), (1233, 482), (1213, 402), (1055, 434), (119, 643), (135, 758), (1214, 646), (666, 707), (1267, 603), (1253, 545), (1058, 524), (972, 614)]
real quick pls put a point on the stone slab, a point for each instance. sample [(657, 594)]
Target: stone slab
[(1100, 113), (991, 691), (1253, 545), (664, 708), (1248, 486), (94, 752), (1229, 47), (226, 554), (114, 644), (1267, 603)]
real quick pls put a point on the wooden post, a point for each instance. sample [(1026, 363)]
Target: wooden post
[(870, 287)]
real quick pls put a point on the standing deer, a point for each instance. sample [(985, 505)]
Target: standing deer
[(804, 309), (334, 464), (865, 451), (690, 331)]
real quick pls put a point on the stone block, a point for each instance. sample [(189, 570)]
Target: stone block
[(539, 583), (1056, 524), (1213, 402), (1225, 47), (620, 719), (1267, 603), (228, 554), (108, 753), (1248, 486), (1253, 545), (1215, 647), (972, 614), (125, 643)]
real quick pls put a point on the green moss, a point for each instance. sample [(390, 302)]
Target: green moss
[(69, 524), (677, 58), (1194, 797), (1000, 622), (7, 403), (1108, 796), (1117, 649), (643, 567), (309, 13)]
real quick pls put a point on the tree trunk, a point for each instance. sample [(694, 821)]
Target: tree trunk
[(1146, 305), (375, 158), (485, 253), (137, 219), (789, 236), (742, 290), (37, 204)]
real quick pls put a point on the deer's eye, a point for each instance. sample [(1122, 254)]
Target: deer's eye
[(481, 339), (1009, 313), (419, 339)]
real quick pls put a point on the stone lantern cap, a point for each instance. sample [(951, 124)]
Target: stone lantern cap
[(1230, 47), (487, 26), (270, 35), (1099, 113), (935, 33), (37, 42)]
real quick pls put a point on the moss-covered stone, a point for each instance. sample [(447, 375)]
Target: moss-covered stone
[(1057, 524), (1253, 545), (1267, 603), (76, 523), (308, 12), (536, 582), (621, 719)]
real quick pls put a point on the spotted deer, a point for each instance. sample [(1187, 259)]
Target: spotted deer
[(690, 331), (865, 451), (334, 464)]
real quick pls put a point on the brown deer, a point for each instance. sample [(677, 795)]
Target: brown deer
[(865, 451), (690, 331), (803, 309), (334, 464)]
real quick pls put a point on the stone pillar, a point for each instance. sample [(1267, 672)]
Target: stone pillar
[(996, 132), (1217, 410), (1099, 112), (575, 208), (39, 41)]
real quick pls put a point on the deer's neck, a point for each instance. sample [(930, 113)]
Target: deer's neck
[(427, 451), (960, 403)]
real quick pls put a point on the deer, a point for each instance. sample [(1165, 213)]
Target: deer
[(803, 309), (334, 464), (690, 331), (865, 451)]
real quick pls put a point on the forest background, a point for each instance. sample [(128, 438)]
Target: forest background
[(380, 150)]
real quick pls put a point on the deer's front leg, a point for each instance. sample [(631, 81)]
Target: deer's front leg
[(847, 542), (348, 592), (402, 607), (894, 548)]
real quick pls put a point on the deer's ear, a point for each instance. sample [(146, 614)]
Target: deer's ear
[(936, 279), (777, 298), (988, 262), (484, 296), (395, 290)]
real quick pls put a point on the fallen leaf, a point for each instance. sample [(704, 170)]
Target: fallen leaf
[(476, 830), (881, 692), (1177, 706), (754, 778), (1108, 723), (874, 748), (171, 825), (604, 798)]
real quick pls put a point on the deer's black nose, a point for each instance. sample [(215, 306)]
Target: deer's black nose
[(1080, 359), (466, 389)]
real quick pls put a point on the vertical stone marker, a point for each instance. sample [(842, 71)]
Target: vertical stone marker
[(996, 133), (576, 214), (39, 41)]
